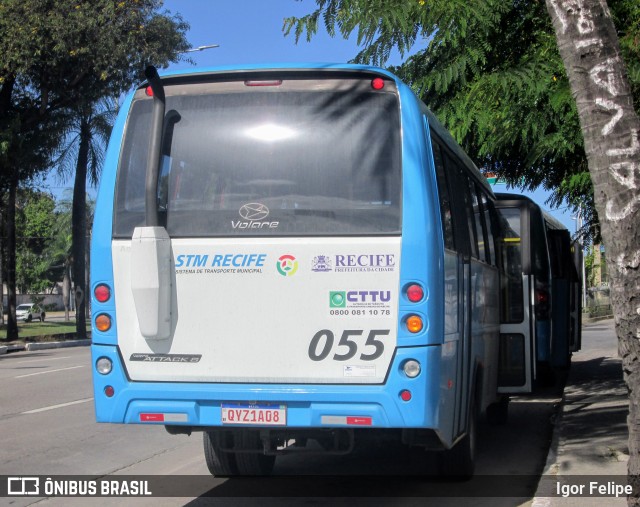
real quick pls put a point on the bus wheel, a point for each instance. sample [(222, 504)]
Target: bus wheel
[(459, 461), (498, 413), (219, 463), (252, 463)]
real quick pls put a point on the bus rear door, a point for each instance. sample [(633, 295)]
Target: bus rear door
[(517, 344)]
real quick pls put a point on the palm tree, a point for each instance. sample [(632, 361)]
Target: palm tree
[(59, 250), (83, 155)]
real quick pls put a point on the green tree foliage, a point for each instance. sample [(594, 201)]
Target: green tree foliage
[(59, 250), (82, 155), (99, 118), (35, 219), (74, 51), (491, 72), (626, 16), (62, 55)]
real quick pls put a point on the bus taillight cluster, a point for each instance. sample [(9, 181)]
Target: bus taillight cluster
[(415, 294), (102, 293)]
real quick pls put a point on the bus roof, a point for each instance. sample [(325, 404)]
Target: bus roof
[(267, 67), (552, 222)]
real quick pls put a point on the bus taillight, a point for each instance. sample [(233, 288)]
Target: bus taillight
[(377, 83), (542, 303), (414, 324), (103, 322), (102, 293), (415, 293)]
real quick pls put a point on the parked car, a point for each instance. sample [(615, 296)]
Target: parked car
[(29, 311)]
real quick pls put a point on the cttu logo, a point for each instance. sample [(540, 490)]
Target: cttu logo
[(287, 265), (359, 298), (337, 299)]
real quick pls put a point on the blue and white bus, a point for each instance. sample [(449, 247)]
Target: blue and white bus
[(291, 253), (541, 310)]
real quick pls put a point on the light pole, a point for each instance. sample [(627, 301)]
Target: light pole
[(202, 48)]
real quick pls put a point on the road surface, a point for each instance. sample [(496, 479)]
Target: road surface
[(47, 428)]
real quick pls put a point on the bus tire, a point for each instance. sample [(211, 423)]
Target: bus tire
[(252, 463), (219, 463), (498, 412), (459, 461)]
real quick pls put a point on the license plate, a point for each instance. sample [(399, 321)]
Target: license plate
[(263, 414)]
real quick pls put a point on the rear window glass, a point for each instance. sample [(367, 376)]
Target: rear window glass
[(315, 157)]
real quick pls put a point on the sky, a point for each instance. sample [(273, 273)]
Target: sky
[(250, 31)]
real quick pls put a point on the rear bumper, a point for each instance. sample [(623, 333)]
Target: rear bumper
[(308, 406)]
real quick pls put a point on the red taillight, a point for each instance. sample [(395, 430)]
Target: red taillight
[(102, 293), (377, 83), (542, 303), (405, 395), (542, 296), (109, 391), (148, 91), (415, 293)]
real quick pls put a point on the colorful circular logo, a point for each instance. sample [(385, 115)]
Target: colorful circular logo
[(287, 265)]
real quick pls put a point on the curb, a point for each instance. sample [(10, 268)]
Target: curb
[(19, 347), (551, 466), (57, 345), (591, 320)]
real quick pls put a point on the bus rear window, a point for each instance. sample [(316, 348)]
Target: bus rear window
[(317, 157)]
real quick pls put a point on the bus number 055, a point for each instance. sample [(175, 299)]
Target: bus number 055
[(322, 344)]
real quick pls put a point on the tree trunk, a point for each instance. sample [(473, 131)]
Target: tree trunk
[(589, 47), (78, 228), (66, 289), (12, 324), (87, 272), (8, 213), (2, 227)]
